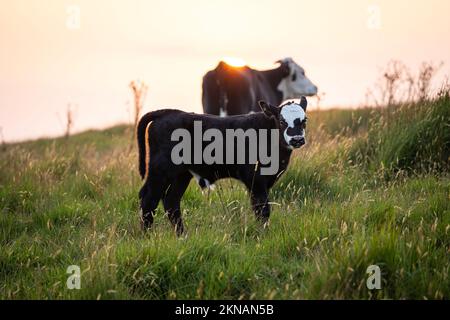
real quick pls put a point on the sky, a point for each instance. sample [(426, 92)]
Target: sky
[(56, 53)]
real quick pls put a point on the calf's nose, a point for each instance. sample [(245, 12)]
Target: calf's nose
[(301, 140), (297, 141)]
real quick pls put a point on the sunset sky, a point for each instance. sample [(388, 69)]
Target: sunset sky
[(49, 58)]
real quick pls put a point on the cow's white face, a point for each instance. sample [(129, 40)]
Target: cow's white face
[(292, 121), (296, 84), (293, 124)]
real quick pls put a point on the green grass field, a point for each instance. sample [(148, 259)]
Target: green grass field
[(371, 187)]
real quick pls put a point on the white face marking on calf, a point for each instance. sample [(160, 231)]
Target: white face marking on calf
[(290, 113), (296, 84)]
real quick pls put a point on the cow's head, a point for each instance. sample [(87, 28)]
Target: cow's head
[(291, 120), (295, 84)]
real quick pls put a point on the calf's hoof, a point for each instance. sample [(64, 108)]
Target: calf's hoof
[(264, 221), (146, 222), (179, 230)]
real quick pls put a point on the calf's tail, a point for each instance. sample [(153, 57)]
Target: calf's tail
[(143, 142)]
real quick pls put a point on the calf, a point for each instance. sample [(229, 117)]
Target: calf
[(159, 134)]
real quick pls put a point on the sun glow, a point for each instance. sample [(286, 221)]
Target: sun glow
[(234, 62)]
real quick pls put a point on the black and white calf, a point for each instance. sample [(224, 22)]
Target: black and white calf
[(164, 180)]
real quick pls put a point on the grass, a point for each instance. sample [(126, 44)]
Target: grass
[(371, 187)]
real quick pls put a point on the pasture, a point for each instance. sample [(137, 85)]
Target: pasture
[(371, 186)]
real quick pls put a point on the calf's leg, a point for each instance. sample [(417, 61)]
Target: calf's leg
[(172, 200), (150, 195), (260, 204)]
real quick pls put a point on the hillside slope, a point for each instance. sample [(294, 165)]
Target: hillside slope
[(371, 187)]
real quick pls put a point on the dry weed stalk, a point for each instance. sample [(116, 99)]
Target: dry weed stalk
[(426, 73), (139, 89), (69, 121), (398, 85), (2, 138)]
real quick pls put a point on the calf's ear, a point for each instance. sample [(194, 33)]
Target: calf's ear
[(268, 109), (303, 103)]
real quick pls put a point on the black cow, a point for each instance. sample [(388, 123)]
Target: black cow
[(163, 179), (229, 90)]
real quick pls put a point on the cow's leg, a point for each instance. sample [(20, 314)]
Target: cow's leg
[(260, 203), (150, 194), (172, 200)]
